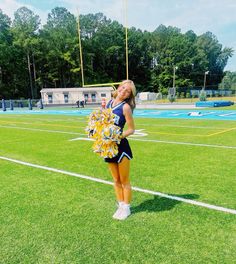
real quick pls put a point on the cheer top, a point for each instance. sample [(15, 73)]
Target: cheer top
[(117, 110), (124, 149)]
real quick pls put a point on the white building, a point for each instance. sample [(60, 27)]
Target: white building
[(72, 95), (147, 96)]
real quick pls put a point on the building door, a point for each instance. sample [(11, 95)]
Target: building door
[(50, 101), (66, 98), (93, 97)]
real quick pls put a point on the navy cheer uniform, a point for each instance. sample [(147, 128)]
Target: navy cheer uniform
[(124, 149)]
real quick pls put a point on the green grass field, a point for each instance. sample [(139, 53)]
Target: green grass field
[(49, 217)]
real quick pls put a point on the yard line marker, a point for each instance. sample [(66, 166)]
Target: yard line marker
[(185, 143), (38, 124), (82, 138), (221, 132), (76, 119), (142, 140), (139, 133), (165, 125), (56, 170), (172, 197), (228, 114), (44, 130), (177, 134)]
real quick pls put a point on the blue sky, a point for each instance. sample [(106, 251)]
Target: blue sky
[(217, 16)]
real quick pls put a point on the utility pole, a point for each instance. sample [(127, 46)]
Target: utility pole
[(30, 77), (174, 69), (204, 85)]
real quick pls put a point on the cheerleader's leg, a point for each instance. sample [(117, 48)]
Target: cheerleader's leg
[(124, 169), (113, 167)]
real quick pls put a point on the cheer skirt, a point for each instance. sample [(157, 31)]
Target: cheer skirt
[(124, 150)]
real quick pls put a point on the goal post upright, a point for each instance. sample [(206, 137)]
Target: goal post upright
[(126, 52)]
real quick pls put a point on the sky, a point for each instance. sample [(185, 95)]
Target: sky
[(216, 16)]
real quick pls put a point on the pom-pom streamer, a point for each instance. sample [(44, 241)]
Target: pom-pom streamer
[(106, 134)]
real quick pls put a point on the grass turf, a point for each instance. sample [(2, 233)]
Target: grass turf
[(52, 218)]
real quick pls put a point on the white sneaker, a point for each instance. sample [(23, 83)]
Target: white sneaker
[(118, 211), (124, 213)]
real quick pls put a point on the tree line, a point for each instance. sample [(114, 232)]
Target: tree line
[(35, 56)]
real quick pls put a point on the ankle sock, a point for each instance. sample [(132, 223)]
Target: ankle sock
[(126, 205), (121, 203)]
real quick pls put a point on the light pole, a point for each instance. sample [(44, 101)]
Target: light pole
[(174, 69), (204, 85)]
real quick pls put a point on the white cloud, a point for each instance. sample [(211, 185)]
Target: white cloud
[(113, 9), (202, 16), (9, 7)]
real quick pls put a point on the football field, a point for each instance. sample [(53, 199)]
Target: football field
[(57, 198)]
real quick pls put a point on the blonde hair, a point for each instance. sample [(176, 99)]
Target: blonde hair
[(131, 99)]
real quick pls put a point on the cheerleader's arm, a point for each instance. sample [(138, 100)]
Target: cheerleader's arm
[(129, 121)]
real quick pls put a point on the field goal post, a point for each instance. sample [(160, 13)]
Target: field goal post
[(126, 54)]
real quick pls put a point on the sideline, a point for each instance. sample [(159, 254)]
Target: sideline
[(193, 202)]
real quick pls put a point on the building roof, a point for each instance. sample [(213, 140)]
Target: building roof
[(78, 89)]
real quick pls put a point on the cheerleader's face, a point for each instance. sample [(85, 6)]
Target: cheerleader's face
[(124, 91)]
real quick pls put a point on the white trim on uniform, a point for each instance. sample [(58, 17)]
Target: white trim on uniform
[(122, 155), (113, 108)]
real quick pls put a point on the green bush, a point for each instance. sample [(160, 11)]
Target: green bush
[(188, 95), (159, 96), (171, 98), (182, 96)]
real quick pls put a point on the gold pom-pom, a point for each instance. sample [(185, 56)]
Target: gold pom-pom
[(106, 134)]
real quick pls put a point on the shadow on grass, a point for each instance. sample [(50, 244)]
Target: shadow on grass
[(158, 204)]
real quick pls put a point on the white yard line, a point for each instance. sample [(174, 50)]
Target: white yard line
[(82, 138), (44, 130), (141, 140), (182, 126), (47, 119), (172, 197), (165, 142), (185, 143)]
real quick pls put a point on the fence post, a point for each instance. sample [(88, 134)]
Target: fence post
[(3, 105), (41, 104), (11, 105), (30, 104)]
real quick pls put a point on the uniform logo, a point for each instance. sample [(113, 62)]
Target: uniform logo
[(116, 119)]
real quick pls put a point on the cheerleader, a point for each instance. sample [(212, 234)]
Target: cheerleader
[(122, 106)]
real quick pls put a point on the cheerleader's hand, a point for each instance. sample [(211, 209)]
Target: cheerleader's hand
[(121, 136)]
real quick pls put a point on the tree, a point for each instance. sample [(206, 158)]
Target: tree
[(229, 81), (31, 58), (59, 42), (25, 27), (212, 57), (171, 49), (6, 57)]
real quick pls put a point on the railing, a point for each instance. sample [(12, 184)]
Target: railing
[(35, 103)]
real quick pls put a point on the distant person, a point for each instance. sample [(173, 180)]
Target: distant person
[(82, 103), (122, 106), (103, 104)]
